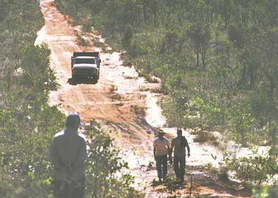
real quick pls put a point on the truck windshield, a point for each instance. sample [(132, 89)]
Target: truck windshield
[(84, 61)]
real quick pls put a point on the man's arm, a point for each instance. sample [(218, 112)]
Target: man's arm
[(170, 150), (54, 158), (53, 155), (154, 152), (188, 148), (82, 155)]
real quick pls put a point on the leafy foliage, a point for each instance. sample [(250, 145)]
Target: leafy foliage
[(253, 170), (27, 121), (104, 177)]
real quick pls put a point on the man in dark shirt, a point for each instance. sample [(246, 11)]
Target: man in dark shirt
[(178, 144), (68, 155)]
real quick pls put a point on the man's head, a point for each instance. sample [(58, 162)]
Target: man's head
[(160, 133), (179, 132), (73, 121)]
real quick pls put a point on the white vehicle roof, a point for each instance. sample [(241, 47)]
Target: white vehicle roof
[(85, 66), (85, 57)]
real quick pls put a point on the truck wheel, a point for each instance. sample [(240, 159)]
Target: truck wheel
[(71, 81), (94, 81)]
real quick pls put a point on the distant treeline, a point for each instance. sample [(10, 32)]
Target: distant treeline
[(217, 60)]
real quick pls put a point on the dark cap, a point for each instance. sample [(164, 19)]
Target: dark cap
[(73, 120)]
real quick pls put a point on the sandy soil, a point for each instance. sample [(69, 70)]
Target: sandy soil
[(116, 101)]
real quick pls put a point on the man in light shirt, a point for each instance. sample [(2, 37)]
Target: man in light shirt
[(68, 155), (161, 149)]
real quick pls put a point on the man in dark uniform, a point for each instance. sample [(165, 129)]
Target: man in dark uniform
[(179, 144), (68, 155)]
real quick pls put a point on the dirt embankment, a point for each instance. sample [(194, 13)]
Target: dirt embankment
[(117, 101)]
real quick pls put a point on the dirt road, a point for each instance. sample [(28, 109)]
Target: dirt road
[(118, 101), (115, 101)]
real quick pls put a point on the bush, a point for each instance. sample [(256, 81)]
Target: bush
[(104, 166), (252, 170)]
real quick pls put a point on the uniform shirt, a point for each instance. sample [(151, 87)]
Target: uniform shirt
[(161, 146), (68, 154), (179, 144)]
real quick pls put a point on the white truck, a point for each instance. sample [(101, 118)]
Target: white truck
[(85, 67)]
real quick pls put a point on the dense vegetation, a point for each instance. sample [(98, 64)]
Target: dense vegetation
[(217, 60), (28, 123)]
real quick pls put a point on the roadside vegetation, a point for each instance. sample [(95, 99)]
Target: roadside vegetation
[(217, 61), (28, 123)]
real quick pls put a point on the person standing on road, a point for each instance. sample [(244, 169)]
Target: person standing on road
[(161, 149), (68, 155), (179, 144)]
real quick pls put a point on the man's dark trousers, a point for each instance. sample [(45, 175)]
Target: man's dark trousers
[(161, 166), (179, 166), (63, 190)]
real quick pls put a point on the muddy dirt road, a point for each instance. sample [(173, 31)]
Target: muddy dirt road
[(117, 101)]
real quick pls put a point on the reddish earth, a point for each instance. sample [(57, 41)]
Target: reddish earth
[(118, 102)]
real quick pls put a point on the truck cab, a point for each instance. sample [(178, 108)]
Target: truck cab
[(85, 67)]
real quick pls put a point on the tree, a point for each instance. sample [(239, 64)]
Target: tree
[(226, 10), (267, 50), (127, 37), (200, 36)]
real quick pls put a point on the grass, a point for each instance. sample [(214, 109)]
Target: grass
[(131, 77), (140, 111), (113, 88), (100, 44), (205, 137)]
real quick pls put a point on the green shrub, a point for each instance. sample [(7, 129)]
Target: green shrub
[(103, 174), (252, 170)]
